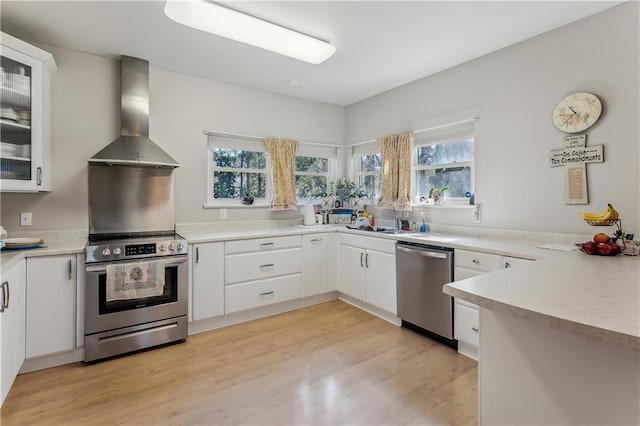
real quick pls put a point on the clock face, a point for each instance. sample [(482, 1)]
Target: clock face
[(577, 112)]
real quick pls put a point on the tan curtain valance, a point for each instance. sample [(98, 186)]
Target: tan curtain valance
[(396, 171), (283, 156)]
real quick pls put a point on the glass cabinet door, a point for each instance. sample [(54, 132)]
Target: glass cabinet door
[(20, 122), (15, 120)]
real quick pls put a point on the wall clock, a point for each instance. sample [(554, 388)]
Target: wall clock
[(577, 112)]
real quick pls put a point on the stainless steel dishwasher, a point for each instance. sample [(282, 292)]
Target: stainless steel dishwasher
[(421, 271)]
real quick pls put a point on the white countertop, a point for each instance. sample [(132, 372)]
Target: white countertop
[(594, 296), (52, 247)]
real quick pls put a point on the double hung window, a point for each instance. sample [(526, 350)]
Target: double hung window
[(445, 159)]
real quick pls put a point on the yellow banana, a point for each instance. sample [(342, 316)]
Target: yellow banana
[(609, 213)]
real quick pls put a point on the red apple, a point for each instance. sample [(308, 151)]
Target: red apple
[(589, 247), (615, 248), (601, 238), (604, 249)]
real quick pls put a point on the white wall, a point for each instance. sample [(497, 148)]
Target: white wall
[(515, 90), (86, 117)]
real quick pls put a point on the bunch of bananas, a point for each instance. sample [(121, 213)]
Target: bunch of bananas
[(609, 214)]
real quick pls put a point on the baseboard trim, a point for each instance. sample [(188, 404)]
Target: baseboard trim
[(209, 324)]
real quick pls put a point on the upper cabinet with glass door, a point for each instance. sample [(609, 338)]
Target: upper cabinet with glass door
[(24, 116)]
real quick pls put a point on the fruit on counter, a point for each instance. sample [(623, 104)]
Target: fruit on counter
[(601, 238), (607, 249), (609, 213), (589, 247)]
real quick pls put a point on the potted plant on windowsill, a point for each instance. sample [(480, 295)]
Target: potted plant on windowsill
[(248, 197), (437, 194), (358, 195)]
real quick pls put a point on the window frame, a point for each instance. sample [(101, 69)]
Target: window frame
[(244, 145), (359, 151), (416, 168), (249, 143), (329, 174)]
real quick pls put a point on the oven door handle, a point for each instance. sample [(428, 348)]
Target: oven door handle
[(165, 262)]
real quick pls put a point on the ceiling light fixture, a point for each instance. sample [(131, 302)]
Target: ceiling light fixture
[(229, 23)]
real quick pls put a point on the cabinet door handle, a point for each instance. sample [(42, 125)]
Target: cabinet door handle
[(507, 265), (39, 176), (366, 260), (5, 297), (266, 293), (268, 265), (361, 264), (317, 240), (476, 261), (266, 245), (197, 254), (70, 270), (475, 329)]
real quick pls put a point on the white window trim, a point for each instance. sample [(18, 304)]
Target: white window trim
[(356, 167), (330, 175), (417, 167), (229, 202), (249, 143)]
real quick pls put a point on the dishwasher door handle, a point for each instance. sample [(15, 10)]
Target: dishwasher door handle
[(436, 254)]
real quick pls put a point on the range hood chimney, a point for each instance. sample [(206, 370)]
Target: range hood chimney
[(133, 147)]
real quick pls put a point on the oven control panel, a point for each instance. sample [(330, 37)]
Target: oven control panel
[(119, 250), (138, 249)]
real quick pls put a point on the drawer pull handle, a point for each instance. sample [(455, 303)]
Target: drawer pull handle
[(476, 261), (507, 265), (268, 265), (266, 293), (317, 240), (475, 329), (266, 245)]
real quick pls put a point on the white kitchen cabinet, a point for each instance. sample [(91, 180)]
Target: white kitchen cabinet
[(207, 262), (262, 271), (12, 325), (367, 270), (468, 264), (51, 305), (24, 116), (351, 276), (315, 264)]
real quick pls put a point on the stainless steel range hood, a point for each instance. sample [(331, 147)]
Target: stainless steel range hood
[(133, 147)]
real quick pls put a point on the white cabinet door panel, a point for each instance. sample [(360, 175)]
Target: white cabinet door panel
[(381, 280), (315, 264), (51, 305), (208, 280), (351, 277)]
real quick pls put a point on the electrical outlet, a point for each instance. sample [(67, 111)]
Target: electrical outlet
[(25, 219), (223, 213)]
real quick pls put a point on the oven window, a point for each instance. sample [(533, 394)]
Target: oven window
[(169, 295)]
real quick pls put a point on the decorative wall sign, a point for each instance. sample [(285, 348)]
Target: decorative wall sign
[(574, 158)]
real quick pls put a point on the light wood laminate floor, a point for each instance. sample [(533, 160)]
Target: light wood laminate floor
[(329, 364)]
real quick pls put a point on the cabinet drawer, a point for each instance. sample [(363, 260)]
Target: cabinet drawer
[(465, 324), (249, 295), (372, 243), (510, 262), (255, 266), (479, 261), (262, 244)]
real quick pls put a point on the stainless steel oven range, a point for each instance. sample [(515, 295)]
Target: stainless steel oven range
[(135, 293)]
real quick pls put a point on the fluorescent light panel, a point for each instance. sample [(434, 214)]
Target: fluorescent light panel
[(225, 22)]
